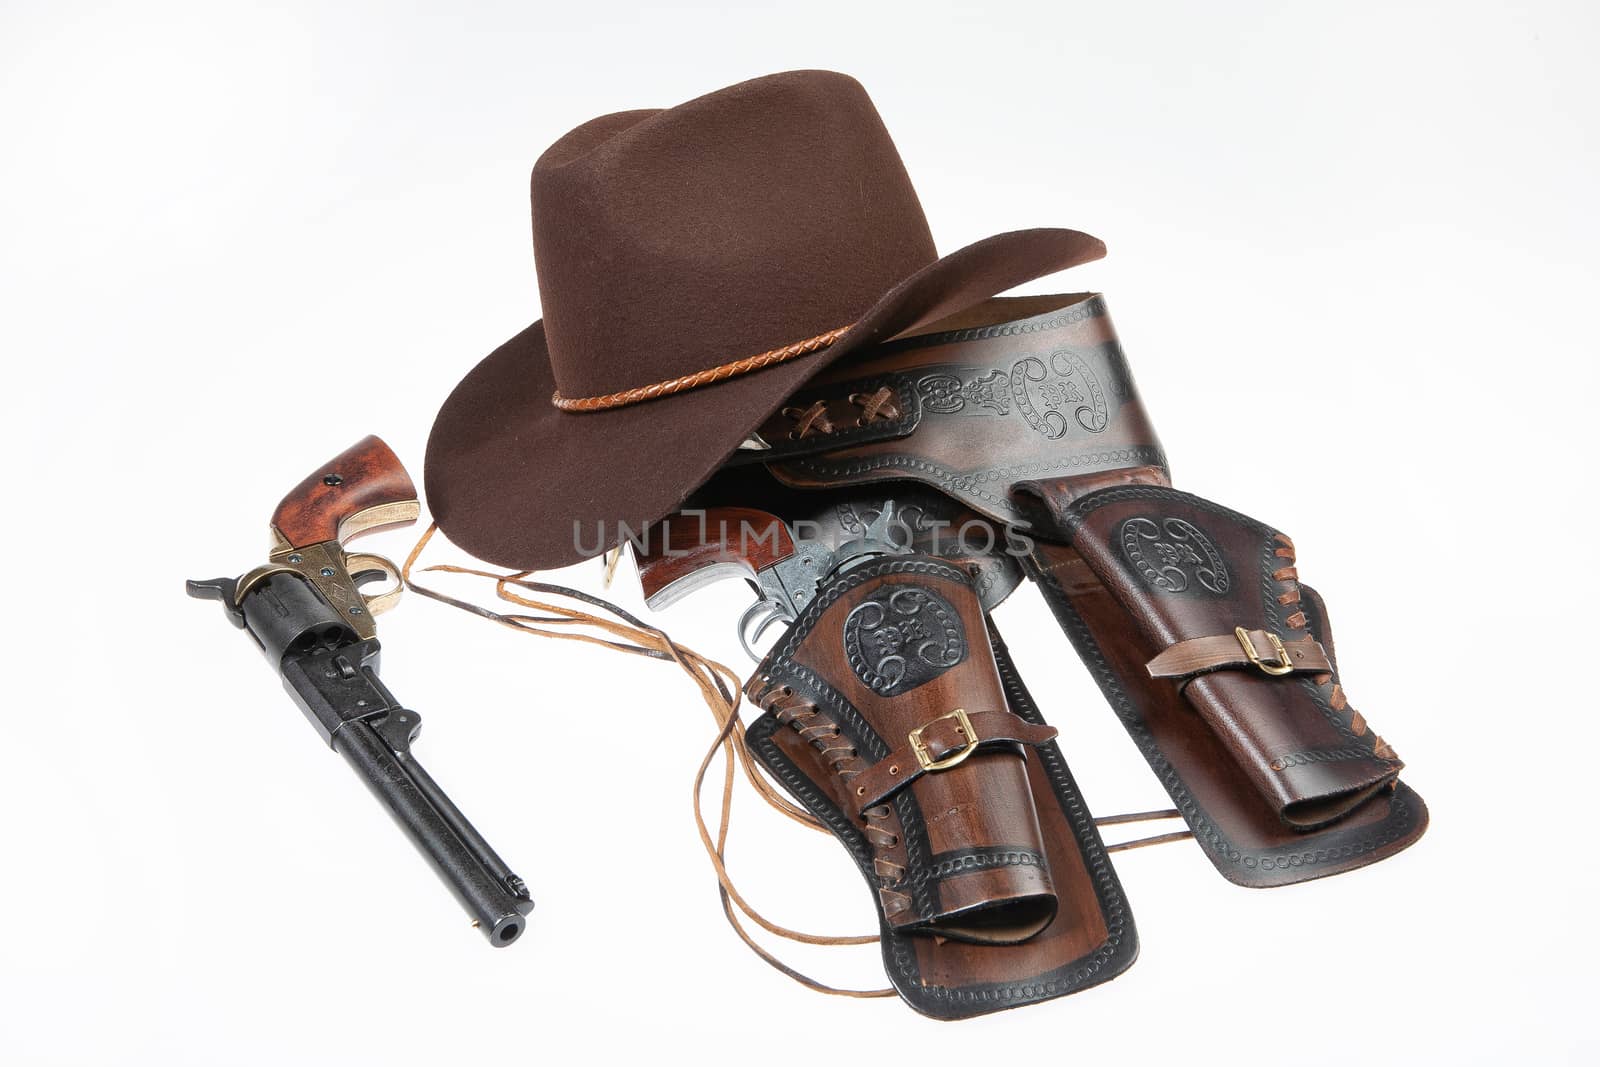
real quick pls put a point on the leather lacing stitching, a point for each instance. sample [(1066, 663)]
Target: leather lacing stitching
[(813, 419), (1336, 698), (880, 404), (805, 718), (719, 688), (883, 403)]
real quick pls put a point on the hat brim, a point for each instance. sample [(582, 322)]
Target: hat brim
[(517, 482)]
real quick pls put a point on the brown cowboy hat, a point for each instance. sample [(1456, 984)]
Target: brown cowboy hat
[(696, 265)]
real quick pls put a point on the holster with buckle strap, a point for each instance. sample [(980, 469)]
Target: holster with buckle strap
[(1214, 597), (1190, 616), (896, 720)]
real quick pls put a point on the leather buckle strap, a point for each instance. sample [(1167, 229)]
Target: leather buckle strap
[(925, 758), (1278, 669), (941, 744), (1242, 648)]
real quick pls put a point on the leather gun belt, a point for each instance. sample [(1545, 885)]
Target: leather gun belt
[(1190, 616)]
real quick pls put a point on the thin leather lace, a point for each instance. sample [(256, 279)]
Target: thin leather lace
[(719, 689)]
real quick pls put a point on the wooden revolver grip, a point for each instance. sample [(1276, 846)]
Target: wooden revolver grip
[(683, 544), (362, 488)]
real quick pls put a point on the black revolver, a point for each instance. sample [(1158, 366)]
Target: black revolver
[(307, 611)]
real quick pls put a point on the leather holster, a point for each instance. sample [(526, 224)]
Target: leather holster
[(888, 715), (1191, 616)]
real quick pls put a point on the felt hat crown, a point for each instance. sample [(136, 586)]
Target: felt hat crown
[(696, 265)]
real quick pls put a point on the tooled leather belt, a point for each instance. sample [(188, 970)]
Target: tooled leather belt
[(1191, 617)]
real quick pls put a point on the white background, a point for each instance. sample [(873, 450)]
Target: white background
[(1352, 261)]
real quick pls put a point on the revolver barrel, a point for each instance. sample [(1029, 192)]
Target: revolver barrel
[(332, 673), (496, 898)]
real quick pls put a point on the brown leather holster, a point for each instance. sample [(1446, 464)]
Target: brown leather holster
[(1215, 596), (892, 716), (1190, 616)]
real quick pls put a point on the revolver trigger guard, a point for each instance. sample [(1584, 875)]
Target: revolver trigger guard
[(365, 568), (756, 620)]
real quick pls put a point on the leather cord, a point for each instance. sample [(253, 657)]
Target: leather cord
[(1144, 816), (719, 688)]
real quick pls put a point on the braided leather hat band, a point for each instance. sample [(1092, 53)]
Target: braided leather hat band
[(709, 376)]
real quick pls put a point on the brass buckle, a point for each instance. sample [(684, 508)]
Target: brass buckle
[(1282, 667), (925, 758)]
